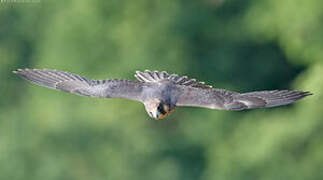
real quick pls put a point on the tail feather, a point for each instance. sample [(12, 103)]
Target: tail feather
[(155, 76)]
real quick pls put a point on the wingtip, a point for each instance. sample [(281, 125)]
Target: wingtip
[(305, 93), (308, 93), (17, 71)]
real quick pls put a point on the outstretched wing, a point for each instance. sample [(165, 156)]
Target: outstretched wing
[(73, 83), (228, 100)]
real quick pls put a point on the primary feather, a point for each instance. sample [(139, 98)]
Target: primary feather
[(79, 85)]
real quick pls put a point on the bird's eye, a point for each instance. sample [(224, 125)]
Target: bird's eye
[(161, 109)]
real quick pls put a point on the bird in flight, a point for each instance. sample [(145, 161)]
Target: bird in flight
[(161, 92)]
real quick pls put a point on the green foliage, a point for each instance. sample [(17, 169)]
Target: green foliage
[(240, 45)]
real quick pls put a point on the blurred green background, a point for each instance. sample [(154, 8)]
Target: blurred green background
[(240, 45)]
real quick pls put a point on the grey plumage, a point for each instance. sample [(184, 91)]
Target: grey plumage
[(160, 91), (229, 100), (79, 85)]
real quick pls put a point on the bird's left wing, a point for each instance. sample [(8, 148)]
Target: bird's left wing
[(76, 84), (229, 100)]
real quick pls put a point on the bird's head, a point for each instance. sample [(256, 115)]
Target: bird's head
[(158, 109)]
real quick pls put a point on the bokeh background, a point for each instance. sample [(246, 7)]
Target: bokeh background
[(240, 45)]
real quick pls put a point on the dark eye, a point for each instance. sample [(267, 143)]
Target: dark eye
[(160, 108)]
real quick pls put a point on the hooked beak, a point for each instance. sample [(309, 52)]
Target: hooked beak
[(155, 115)]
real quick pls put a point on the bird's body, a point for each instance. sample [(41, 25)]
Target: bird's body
[(160, 92)]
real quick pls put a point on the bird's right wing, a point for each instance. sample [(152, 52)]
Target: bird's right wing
[(76, 84), (273, 98), (229, 100)]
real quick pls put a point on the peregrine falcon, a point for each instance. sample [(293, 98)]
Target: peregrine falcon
[(161, 92)]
